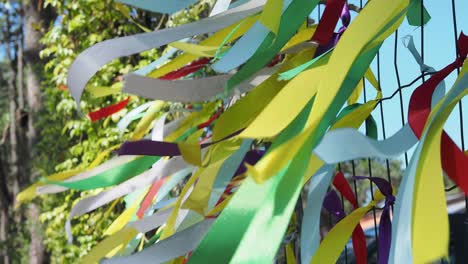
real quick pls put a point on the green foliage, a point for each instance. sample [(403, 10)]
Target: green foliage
[(68, 140)]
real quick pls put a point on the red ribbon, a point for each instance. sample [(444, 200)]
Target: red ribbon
[(277, 59), (186, 70), (326, 27), (211, 120), (454, 161), (149, 197), (108, 110), (359, 240)]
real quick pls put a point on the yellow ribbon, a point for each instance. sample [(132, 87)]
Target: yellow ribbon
[(144, 125), (430, 221), (271, 15), (290, 258), (331, 247), (245, 110), (215, 40), (303, 35), (329, 78), (125, 216), (111, 244)]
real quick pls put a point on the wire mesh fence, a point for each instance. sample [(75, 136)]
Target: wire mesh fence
[(397, 79)]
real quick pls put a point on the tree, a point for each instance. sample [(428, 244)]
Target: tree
[(66, 139)]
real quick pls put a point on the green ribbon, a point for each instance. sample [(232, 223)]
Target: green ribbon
[(322, 59), (110, 177), (414, 14), (293, 17), (258, 215), (371, 125), (118, 174), (222, 240)]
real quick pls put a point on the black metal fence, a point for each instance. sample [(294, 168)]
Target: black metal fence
[(388, 69)]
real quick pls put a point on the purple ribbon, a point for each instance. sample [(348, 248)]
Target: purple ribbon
[(385, 225), (251, 158), (345, 19), (150, 147), (332, 204)]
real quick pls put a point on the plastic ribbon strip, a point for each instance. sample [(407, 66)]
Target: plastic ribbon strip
[(385, 226), (331, 246), (130, 116), (189, 91), (327, 24), (454, 160), (160, 169), (284, 189), (81, 70), (403, 216), (108, 110), (179, 244), (248, 44), (358, 238), (251, 192), (160, 6)]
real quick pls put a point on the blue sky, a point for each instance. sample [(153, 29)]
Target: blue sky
[(439, 50)]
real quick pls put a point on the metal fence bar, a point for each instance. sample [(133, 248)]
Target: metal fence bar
[(460, 104)]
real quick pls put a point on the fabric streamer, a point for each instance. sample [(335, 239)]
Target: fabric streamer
[(432, 187), (160, 6), (241, 145), (170, 248), (248, 44), (108, 110), (219, 7), (191, 68), (310, 233), (149, 197), (454, 161), (108, 165), (189, 91), (331, 246), (358, 238), (385, 227), (266, 185), (292, 18), (327, 24), (401, 242), (159, 170), (81, 70), (129, 117)]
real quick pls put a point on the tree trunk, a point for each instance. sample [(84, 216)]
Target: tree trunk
[(36, 248), (13, 139), (4, 233), (34, 15)]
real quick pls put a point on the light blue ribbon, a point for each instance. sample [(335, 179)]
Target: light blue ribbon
[(159, 6)]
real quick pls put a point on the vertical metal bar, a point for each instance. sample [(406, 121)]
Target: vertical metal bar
[(369, 162), (460, 105), (422, 37), (342, 205), (318, 13), (400, 94), (353, 166), (389, 178)]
